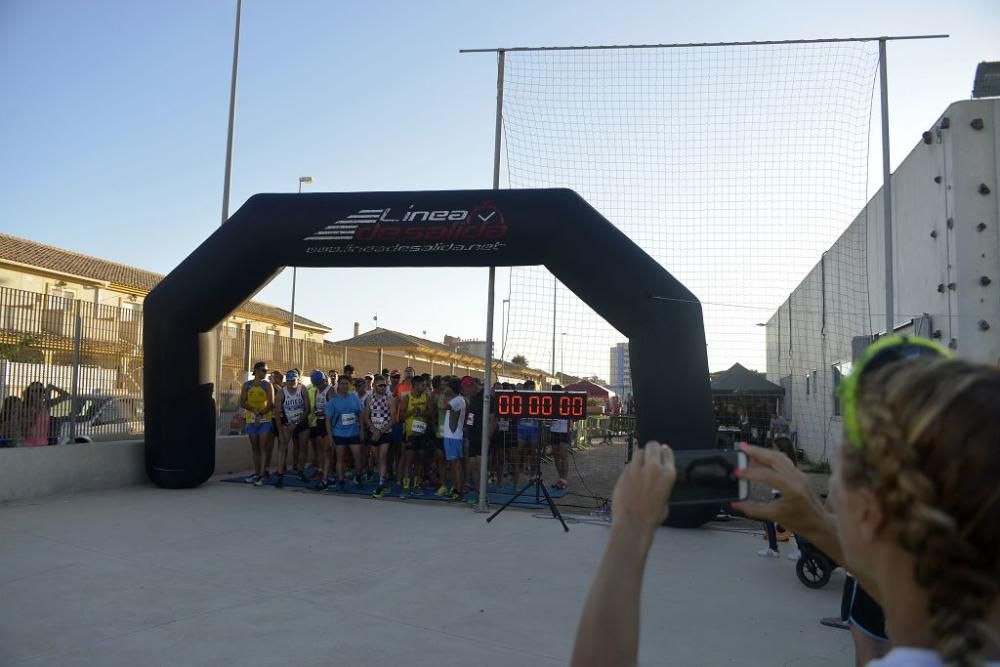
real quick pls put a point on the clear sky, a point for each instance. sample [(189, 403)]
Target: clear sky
[(114, 112)]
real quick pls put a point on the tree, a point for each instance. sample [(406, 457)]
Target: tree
[(24, 349), (519, 360)]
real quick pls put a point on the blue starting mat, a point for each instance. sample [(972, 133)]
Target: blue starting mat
[(496, 496)]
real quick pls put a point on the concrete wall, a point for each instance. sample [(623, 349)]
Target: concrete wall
[(945, 240), (36, 472)]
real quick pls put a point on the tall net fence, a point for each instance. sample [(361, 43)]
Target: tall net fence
[(736, 168)]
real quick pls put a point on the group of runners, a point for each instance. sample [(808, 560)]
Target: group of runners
[(418, 433)]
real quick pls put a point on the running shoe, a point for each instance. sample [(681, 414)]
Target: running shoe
[(318, 485), (768, 553), (259, 481), (442, 491), (454, 495), (417, 491), (279, 481), (252, 479), (379, 492)]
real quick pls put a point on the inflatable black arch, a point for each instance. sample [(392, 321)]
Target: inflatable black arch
[(555, 227)]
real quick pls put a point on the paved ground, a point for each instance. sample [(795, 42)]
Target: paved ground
[(227, 574)]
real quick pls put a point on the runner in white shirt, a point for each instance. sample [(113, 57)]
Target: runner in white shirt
[(454, 438), (292, 409)]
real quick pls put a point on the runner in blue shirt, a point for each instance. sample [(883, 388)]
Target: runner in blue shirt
[(343, 418)]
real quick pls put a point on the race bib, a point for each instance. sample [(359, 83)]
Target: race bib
[(470, 419), (294, 416), (348, 419), (503, 424), (418, 426)]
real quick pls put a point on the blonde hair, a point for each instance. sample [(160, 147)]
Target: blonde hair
[(931, 451)]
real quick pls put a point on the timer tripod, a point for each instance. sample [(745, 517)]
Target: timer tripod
[(540, 490)]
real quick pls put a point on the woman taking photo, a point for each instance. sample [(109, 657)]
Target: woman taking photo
[(916, 497)]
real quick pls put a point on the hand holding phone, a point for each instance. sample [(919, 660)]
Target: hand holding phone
[(709, 477), (640, 496)]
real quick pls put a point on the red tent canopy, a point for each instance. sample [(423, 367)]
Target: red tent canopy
[(592, 389)]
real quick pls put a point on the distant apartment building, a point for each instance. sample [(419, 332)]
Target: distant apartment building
[(475, 348), (620, 379)]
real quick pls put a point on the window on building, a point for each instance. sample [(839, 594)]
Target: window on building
[(59, 298), (840, 370), (128, 311)]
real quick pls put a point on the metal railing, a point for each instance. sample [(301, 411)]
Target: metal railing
[(70, 370)]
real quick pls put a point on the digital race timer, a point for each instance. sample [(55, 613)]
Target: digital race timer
[(540, 404)]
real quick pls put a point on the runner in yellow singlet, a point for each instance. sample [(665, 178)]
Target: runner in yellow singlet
[(257, 398), (415, 412)]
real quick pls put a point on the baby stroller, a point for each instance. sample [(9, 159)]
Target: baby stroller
[(814, 567)]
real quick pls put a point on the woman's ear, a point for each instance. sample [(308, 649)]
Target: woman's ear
[(869, 513)]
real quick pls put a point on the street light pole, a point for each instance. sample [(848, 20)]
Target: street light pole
[(295, 270), (226, 180), (503, 326), (562, 354), (232, 117)]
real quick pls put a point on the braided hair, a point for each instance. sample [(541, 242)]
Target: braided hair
[(931, 433)]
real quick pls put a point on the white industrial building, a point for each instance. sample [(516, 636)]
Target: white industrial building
[(946, 264)]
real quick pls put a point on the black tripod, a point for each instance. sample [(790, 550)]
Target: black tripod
[(540, 491)]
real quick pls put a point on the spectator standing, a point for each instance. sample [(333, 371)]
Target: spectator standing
[(38, 402), (11, 421)]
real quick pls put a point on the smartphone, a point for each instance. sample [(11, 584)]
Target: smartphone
[(708, 476)]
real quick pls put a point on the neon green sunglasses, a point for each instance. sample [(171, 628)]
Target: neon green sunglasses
[(878, 354)]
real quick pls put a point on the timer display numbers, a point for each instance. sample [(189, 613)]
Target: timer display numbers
[(540, 404)]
